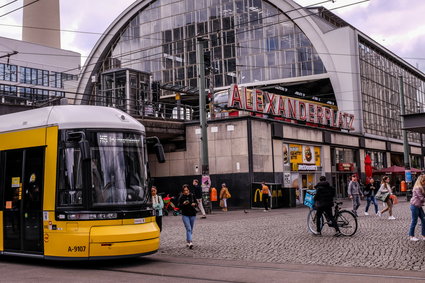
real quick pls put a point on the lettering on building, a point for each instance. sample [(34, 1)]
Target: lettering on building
[(256, 100)]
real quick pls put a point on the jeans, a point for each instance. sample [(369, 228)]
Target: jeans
[(417, 212), (189, 222), (371, 199), (356, 202)]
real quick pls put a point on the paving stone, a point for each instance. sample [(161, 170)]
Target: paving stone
[(281, 236)]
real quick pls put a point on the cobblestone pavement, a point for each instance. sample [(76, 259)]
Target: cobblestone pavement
[(281, 236)]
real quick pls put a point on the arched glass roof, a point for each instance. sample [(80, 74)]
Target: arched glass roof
[(249, 41)]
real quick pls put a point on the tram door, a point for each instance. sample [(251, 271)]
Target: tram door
[(22, 214)]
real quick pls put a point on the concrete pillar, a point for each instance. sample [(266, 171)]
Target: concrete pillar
[(41, 23)]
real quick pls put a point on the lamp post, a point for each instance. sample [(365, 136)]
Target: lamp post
[(408, 173), (206, 182)]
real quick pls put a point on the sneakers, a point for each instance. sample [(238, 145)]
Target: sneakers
[(354, 212), (366, 213), (190, 245), (379, 213), (414, 239), (391, 218), (317, 234)]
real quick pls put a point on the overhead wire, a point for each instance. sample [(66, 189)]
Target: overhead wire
[(26, 5), (131, 61), (7, 4)]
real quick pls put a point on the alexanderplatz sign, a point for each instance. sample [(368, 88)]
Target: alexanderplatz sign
[(258, 101)]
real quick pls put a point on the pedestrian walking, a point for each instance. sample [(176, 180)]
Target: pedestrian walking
[(157, 205), (323, 202), (224, 196), (416, 203), (369, 192), (354, 192), (197, 190), (187, 204), (265, 192), (385, 193)]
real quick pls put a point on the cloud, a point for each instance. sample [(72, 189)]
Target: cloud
[(397, 25), (91, 21)]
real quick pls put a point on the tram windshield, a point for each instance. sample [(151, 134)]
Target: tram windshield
[(114, 175)]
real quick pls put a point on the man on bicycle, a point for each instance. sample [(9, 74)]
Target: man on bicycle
[(323, 201)]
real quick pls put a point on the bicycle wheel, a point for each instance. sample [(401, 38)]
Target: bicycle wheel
[(311, 221), (347, 223)]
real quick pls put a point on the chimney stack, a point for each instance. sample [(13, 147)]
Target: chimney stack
[(41, 23)]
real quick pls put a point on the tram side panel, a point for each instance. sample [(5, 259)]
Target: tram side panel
[(20, 152)]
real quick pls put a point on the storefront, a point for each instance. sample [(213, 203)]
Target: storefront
[(344, 165), (303, 162), (378, 159)]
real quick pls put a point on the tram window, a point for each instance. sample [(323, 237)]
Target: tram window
[(71, 184), (119, 169), (115, 174)]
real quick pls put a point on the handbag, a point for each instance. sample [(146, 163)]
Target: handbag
[(394, 199), (221, 203), (381, 196)]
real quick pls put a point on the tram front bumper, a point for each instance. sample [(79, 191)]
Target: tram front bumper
[(124, 240)]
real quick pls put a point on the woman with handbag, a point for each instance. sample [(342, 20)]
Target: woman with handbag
[(384, 194), (416, 203), (224, 195)]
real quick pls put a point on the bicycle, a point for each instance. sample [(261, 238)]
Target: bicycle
[(346, 221)]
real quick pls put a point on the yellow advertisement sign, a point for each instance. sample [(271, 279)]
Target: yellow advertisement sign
[(317, 155), (260, 195), (16, 181), (295, 153)]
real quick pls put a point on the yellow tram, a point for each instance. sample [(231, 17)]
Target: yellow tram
[(73, 185)]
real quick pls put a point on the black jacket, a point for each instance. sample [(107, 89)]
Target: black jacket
[(371, 189), (187, 209), (324, 195)]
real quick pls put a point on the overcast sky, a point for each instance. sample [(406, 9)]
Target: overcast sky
[(398, 25)]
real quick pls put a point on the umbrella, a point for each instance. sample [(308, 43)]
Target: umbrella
[(368, 167), (397, 170)]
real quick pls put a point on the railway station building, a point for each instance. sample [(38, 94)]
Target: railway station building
[(298, 92)]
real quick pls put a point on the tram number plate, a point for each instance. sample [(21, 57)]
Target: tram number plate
[(139, 221), (77, 249)]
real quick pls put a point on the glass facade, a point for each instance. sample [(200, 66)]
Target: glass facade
[(248, 41), (47, 84), (8, 72), (380, 80)]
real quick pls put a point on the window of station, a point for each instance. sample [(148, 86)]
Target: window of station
[(380, 79), (245, 38)]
